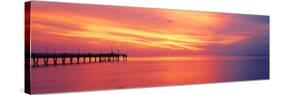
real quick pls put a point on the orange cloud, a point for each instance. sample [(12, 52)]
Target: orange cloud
[(148, 28)]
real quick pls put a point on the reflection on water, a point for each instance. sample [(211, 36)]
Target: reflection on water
[(147, 72)]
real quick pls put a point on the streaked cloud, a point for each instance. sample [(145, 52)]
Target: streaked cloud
[(142, 28)]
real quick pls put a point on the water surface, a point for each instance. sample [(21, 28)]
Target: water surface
[(148, 71)]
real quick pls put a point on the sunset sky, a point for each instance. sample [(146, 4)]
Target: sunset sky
[(145, 31)]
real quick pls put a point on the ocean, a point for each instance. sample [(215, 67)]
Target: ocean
[(147, 72)]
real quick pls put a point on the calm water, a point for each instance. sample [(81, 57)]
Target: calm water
[(152, 72)]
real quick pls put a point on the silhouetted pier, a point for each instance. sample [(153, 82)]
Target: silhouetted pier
[(92, 58)]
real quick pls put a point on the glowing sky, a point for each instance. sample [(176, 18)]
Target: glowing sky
[(145, 31)]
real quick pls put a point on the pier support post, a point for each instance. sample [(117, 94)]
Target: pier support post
[(84, 58), (55, 60), (71, 60), (108, 59), (35, 61), (77, 60), (90, 59), (46, 59), (63, 60)]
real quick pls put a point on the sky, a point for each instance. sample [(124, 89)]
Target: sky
[(68, 27)]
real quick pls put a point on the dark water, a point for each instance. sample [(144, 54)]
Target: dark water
[(137, 73)]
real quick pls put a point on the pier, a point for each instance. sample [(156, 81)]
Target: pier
[(92, 58)]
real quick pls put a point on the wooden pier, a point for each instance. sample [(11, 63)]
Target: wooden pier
[(92, 58)]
